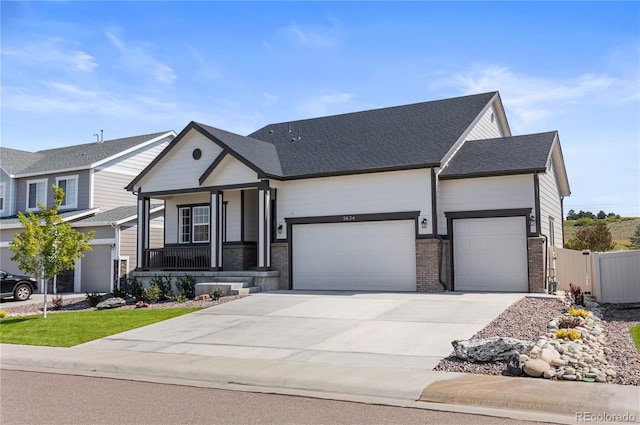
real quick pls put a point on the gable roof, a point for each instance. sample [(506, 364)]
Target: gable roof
[(77, 156), (407, 136), (14, 160), (501, 156), (13, 222), (115, 216)]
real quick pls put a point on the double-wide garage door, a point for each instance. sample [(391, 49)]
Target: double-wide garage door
[(490, 254), (373, 256)]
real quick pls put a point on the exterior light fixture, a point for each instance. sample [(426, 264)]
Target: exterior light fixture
[(280, 229), (532, 219), (424, 223)]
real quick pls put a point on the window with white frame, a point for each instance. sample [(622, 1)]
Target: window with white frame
[(69, 184), (193, 224), (2, 196), (36, 193)]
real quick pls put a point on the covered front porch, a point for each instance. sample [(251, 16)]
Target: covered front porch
[(212, 229)]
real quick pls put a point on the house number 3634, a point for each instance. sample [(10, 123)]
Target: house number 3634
[(348, 218)]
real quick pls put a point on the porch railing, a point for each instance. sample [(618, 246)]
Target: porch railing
[(178, 258)]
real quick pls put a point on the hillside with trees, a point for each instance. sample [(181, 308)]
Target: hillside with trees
[(584, 228)]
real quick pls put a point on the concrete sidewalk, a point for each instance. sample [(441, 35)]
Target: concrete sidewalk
[(517, 398)]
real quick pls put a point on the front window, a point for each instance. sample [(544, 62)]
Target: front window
[(193, 224), (2, 196), (36, 193), (69, 184)]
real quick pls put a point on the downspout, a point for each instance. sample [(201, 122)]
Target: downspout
[(434, 219), (116, 253)]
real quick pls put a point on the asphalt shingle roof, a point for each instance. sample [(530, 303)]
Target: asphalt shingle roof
[(81, 155), (14, 160), (401, 136), (13, 220), (115, 214), (505, 155), (262, 154)]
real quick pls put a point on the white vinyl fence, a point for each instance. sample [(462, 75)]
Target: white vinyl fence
[(612, 277)]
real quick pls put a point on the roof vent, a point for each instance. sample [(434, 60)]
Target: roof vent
[(295, 139), (100, 139)]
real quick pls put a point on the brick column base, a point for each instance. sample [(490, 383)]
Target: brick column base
[(536, 259), (427, 265), (280, 262)]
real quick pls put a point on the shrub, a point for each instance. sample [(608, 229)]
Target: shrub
[(151, 294), (163, 282), (94, 298), (578, 313), (217, 293), (576, 294), (3, 314), (572, 334), (57, 302), (569, 322), (119, 292), (186, 285), (181, 298), (132, 287), (594, 237)]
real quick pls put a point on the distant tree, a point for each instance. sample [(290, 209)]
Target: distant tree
[(611, 214), (635, 239), (594, 237), (602, 215), (571, 215), (48, 245)]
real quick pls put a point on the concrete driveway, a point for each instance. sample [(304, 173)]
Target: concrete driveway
[(397, 330)]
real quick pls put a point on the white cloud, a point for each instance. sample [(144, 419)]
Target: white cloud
[(269, 99), (326, 103), (530, 99), (53, 53), (314, 37), (135, 55)]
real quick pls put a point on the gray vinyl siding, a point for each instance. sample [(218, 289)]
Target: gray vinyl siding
[(7, 235), (128, 241), (96, 269), (134, 162), (109, 191), (83, 188)]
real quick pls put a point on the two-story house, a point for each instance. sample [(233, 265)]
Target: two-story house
[(93, 177)]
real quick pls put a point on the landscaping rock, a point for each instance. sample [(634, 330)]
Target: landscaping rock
[(535, 367), (488, 349), (203, 297), (514, 365), (113, 302)]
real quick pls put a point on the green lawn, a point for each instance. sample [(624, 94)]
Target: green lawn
[(69, 329), (635, 336)]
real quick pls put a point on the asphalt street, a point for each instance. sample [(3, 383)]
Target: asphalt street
[(43, 398)]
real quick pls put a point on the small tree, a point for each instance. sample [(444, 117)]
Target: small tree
[(635, 239), (48, 245), (602, 215), (594, 237)]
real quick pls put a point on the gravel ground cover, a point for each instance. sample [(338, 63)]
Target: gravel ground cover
[(81, 304), (527, 320)]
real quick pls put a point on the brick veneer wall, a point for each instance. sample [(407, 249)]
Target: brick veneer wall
[(239, 257), (280, 262), (427, 265), (536, 259)]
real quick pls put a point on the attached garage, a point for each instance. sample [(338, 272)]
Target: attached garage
[(490, 254), (366, 256)]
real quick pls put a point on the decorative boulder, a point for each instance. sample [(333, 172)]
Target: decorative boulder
[(535, 367), (203, 297), (113, 302), (514, 366), (142, 304), (488, 349)]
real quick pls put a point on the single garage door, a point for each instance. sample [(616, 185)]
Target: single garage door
[(366, 256), (490, 254)]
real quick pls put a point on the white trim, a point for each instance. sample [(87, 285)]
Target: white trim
[(134, 148), (37, 181), (68, 218), (5, 244), (77, 276), (103, 241), (48, 172), (91, 187), (68, 178)]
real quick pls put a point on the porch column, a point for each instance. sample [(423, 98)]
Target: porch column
[(264, 228), (143, 230), (216, 230)]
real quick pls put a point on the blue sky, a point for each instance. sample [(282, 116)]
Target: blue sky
[(71, 69)]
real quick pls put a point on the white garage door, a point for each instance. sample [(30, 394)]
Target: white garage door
[(373, 256), (490, 254)]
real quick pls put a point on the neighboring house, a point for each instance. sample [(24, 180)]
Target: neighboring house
[(425, 197), (93, 177)]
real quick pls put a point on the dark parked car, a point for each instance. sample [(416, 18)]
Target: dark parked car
[(18, 287)]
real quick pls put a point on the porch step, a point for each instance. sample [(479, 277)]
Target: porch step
[(228, 288)]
